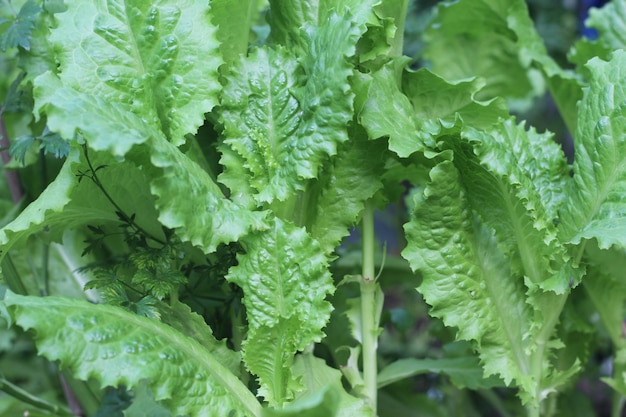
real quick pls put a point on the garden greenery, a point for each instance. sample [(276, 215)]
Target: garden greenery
[(217, 153)]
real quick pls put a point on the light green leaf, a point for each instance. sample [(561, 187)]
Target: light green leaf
[(463, 372), (467, 280), (596, 195), (190, 202), (158, 60), (234, 22), (181, 318), (285, 279), (521, 178), (288, 18), (106, 125), (388, 112), (117, 347), (492, 39), (469, 284), (205, 221), (261, 116), (438, 103), (473, 38), (343, 188), (413, 108), (605, 287), (284, 118)]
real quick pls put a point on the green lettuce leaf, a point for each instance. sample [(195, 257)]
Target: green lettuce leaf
[(323, 403), (413, 108), (388, 112), (158, 60), (467, 280), (117, 347), (284, 124), (106, 125), (521, 176), (190, 202), (469, 283), (234, 22), (288, 18), (598, 190), (473, 38), (343, 188), (317, 376), (285, 279), (261, 116)]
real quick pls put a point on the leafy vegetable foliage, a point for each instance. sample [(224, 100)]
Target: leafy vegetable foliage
[(187, 132)]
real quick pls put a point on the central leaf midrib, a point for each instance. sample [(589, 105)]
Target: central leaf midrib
[(189, 347)]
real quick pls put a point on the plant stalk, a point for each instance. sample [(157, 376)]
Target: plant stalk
[(18, 393), (369, 309)]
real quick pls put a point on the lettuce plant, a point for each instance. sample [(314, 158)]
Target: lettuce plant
[(211, 155)]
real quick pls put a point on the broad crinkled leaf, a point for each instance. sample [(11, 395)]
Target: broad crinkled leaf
[(344, 187), (158, 59), (120, 348), (106, 125), (285, 279), (180, 317), (190, 202), (492, 39), (261, 117), (438, 102), (472, 38), (521, 176), (597, 194), (388, 112), (467, 280), (285, 115), (287, 18), (412, 108)]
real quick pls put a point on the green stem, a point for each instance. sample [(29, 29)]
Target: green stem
[(397, 45), (18, 393), (12, 277), (369, 309), (45, 275)]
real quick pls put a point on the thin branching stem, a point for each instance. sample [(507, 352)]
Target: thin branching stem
[(125, 217)]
